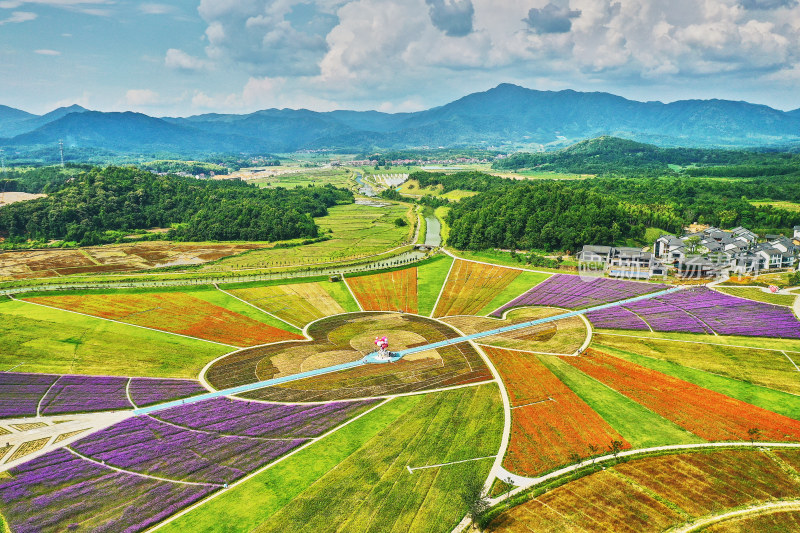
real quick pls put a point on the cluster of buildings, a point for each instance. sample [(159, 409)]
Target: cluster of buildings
[(415, 162), (701, 253)]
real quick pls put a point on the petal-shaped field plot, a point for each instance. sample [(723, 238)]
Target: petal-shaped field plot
[(347, 338)]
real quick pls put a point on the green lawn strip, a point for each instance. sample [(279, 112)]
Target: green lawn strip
[(270, 283), (54, 341), (752, 293), (770, 399), (339, 292), (497, 257), (441, 214), (521, 283), (765, 343), (221, 299), (640, 426), (423, 229), (245, 506), (767, 368), (376, 493), (430, 278)]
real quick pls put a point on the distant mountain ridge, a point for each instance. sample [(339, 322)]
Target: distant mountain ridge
[(507, 117)]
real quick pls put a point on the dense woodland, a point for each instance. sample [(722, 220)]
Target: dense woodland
[(92, 204), (542, 215)]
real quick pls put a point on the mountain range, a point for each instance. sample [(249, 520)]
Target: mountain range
[(506, 117)]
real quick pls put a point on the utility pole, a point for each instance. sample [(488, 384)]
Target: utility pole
[(61, 149)]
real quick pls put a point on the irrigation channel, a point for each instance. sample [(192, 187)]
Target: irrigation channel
[(396, 356)]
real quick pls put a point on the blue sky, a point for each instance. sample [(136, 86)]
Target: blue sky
[(195, 56)]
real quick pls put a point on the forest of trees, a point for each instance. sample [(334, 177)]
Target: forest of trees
[(125, 199), (543, 215)]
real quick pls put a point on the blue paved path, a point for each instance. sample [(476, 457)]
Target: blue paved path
[(366, 360)]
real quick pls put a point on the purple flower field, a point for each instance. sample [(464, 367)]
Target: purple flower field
[(149, 446), (75, 394), (574, 292), (702, 310), (57, 490), (235, 417), (20, 393), (616, 318), (147, 391)]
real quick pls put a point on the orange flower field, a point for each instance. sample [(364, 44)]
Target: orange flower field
[(707, 414), (175, 312), (549, 421), (388, 291), (471, 286)]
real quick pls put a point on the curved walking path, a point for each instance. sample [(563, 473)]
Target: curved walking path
[(762, 508)]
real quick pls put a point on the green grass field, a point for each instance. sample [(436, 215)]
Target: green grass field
[(303, 177), (761, 367), (356, 231), (788, 206), (430, 278), (640, 426), (522, 283), (40, 339), (728, 340), (766, 398), (364, 465), (441, 214), (752, 293)]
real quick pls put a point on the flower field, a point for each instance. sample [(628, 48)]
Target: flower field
[(619, 317), (708, 414), (654, 494), (148, 446), (471, 286), (59, 489), (702, 310), (149, 391), (20, 393), (76, 394), (252, 419), (297, 303), (175, 312), (576, 292), (549, 421), (388, 291)]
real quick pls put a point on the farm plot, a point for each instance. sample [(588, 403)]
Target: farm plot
[(431, 275), (388, 291), (20, 393), (297, 303), (706, 413), (471, 286), (41, 339), (654, 494), (778, 521), (762, 367), (364, 465), (549, 421), (576, 292), (558, 337), (348, 338), (79, 394), (174, 312), (702, 310), (149, 391), (148, 446), (253, 419), (58, 489)]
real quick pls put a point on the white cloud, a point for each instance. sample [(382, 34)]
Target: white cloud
[(81, 6), (17, 17), (142, 97), (180, 60), (47, 52), (156, 9), (370, 53)]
